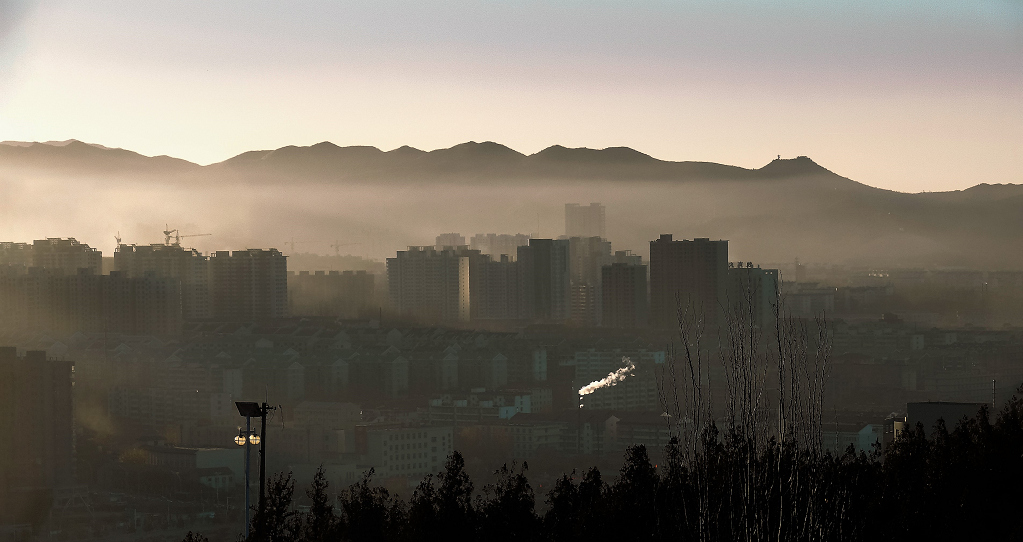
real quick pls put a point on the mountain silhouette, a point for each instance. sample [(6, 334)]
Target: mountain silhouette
[(76, 156), (785, 209)]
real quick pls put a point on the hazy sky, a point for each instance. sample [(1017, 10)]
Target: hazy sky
[(910, 95)]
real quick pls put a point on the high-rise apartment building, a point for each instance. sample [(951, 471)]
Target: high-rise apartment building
[(186, 265), (432, 284), (752, 294), (496, 245), (248, 285), (587, 255), (41, 299), (66, 254), (453, 240), (624, 293), (36, 433), (331, 293), (626, 256), (584, 221), (687, 275), (499, 294), (16, 254), (546, 280)]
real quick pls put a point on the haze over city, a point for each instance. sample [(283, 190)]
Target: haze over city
[(511, 271)]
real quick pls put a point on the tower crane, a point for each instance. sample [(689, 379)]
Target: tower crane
[(178, 238), (338, 244), (167, 233), (293, 242)]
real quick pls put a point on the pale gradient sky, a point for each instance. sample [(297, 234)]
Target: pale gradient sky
[(911, 95)]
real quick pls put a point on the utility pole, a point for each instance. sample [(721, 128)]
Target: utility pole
[(251, 410), (248, 431), (262, 458)]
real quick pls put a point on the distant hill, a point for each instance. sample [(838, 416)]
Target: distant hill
[(73, 156), (474, 161), (380, 201)]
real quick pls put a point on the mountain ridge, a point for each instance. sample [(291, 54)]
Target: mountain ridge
[(789, 207), (326, 160)]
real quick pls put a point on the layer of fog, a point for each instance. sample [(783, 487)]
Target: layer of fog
[(765, 222)]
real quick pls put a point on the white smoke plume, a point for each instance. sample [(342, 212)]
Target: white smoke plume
[(611, 379)]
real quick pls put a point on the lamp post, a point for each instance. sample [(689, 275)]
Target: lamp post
[(251, 410), (246, 438)]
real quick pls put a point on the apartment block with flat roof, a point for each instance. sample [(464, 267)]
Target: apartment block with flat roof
[(186, 265), (249, 285), (66, 254), (546, 281), (584, 221), (689, 275), (624, 296)]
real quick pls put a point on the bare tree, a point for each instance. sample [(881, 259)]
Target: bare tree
[(767, 477)]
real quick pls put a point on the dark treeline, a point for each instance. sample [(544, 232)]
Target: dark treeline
[(962, 484)]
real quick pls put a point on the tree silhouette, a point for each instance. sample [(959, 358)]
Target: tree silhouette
[(276, 522), (321, 524)]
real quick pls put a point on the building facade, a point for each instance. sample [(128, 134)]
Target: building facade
[(496, 245), (433, 285), (689, 276), (36, 431), (584, 221), (185, 265), (546, 282), (624, 296), (66, 254), (249, 285)]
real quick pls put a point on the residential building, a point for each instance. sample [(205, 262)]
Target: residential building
[(450, 240), (410, 452), (587, 256), (689, 276), (584, 221), (495, 245), (16, 254), (231, 459), (330, 293), (546, 293), (36, 432), (47, 299), (752, 294), (433, 285), (498, 290), (185, 265), (249, 285), (624, 296), (807, 299), (67, 255), (327, 414), (476, 407)]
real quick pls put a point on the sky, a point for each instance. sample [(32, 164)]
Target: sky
[(912, 95)]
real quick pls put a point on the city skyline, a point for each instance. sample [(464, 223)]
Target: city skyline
[(336, 271)]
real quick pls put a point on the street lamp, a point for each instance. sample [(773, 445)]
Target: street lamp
[(240, 439), (249, 437), (244, 438)]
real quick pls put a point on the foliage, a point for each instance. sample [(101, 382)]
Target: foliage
[(276, 521), (950, 485)]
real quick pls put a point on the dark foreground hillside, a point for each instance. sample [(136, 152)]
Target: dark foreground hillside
[(959, 484)]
